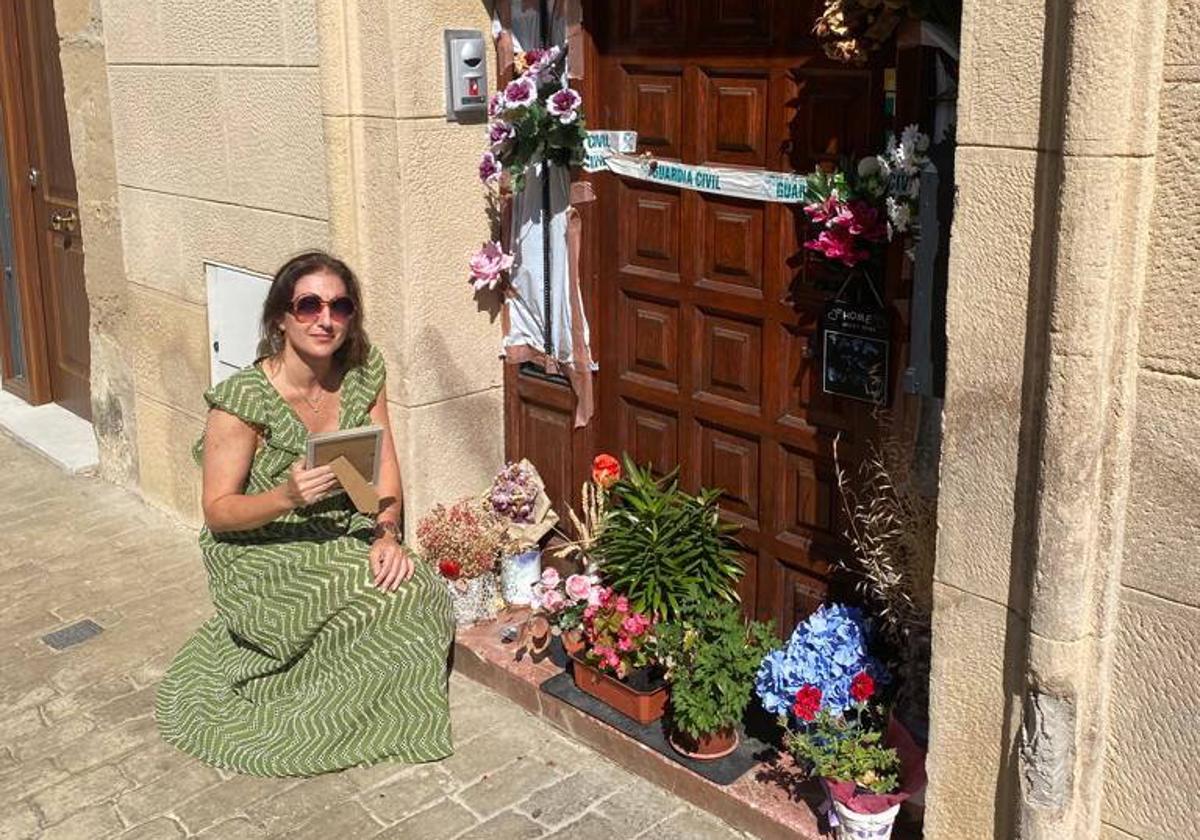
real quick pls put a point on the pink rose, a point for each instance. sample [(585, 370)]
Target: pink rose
[(594, 595), (605, 596), (553, 600), (488, 264), (550, 578), (578, 587)]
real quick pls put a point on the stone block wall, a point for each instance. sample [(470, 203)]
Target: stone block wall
[(408, 210), (220, 156), (1153, 735)]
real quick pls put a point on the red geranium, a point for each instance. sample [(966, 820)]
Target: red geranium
[(808, 703), (450, 569), (862, 687), (606, 471)]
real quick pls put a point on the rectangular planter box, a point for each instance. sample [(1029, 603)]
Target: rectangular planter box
[(642, 706)]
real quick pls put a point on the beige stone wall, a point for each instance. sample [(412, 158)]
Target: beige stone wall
[(408, 210), (1068, 597), (973, 701), (1155, 683), (220, 154)]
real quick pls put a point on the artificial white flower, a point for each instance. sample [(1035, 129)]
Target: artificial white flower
[(868, 166)]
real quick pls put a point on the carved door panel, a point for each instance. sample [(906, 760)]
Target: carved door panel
[(707, 311)]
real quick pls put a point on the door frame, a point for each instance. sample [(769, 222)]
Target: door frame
[(35, 388)]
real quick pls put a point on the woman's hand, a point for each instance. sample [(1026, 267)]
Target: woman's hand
[(305, 487), (391, 564)]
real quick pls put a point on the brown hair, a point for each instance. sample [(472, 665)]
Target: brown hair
[(353, 351)]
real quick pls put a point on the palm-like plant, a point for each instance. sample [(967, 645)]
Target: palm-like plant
[(665, 549)]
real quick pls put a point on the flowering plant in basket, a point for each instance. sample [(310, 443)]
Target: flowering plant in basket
[(825, 687)]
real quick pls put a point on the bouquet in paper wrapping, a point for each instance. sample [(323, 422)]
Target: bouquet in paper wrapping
[(518, 496)]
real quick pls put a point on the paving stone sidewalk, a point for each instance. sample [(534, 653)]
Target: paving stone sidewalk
[(80, 757)]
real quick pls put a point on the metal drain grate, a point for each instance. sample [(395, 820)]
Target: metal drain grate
[(74, 634)]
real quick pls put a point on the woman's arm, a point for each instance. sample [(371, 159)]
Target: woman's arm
[(390, 563), (391, 494), (229, 444)]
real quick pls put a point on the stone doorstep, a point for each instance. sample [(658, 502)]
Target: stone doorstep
[(761, 808)]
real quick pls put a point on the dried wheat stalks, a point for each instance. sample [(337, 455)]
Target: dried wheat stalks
[(892, 531)]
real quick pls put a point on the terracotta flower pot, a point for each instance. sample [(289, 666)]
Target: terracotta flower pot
[(707, 747), (641, 706)]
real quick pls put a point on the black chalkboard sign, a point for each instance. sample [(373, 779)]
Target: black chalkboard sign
[(855, 344)]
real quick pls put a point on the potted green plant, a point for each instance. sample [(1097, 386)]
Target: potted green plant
[(711, 656), (663, 548)]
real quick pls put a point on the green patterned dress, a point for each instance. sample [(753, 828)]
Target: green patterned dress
[(307, 667)]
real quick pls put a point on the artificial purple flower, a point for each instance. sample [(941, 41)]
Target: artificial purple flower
[(520, 93), (495, 104), (541, 63), (489, 168), (499, 133), (564, 104)]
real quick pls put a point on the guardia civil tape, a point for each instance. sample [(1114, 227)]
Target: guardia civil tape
[(611, 151)]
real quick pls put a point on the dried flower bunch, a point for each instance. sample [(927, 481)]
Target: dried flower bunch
[(606, 471), (464, 540), (850, 30), (892, 531), (514, 492)]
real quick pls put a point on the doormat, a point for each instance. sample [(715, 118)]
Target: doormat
[(73, 634), (723, 771)]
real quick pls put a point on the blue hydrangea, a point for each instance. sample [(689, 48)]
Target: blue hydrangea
[(828, 650)]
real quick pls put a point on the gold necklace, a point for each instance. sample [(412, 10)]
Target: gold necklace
[(314, 405)]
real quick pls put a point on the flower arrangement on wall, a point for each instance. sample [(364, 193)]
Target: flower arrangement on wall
[(855, 213), (536, 117)]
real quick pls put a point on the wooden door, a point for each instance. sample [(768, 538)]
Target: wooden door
[(707, 309), (54, 299)]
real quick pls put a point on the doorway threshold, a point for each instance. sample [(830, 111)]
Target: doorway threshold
[(63, 437)]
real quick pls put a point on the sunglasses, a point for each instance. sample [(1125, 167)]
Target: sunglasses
[(307, 308)]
